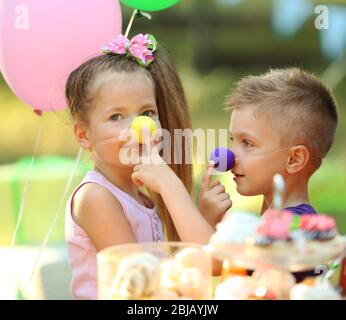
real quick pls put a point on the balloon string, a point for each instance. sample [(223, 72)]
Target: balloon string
[(55, 219), (25, 191), (134, 13)]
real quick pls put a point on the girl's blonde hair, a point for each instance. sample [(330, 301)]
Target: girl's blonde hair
[(170, 99)]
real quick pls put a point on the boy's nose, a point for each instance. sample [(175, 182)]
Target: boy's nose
[(237, 153), (223, 158)]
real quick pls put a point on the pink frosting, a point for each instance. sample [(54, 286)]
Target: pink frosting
[(275, 225), (312, 222)]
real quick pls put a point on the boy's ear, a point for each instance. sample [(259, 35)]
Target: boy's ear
[(81, 134), (298, 158)]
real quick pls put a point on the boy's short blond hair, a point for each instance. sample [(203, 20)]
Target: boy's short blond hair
[(296, 102)]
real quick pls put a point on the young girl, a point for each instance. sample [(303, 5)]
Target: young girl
[(132, 79)]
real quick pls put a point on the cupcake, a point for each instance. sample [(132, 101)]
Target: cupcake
[(290, 237), (235, 228)]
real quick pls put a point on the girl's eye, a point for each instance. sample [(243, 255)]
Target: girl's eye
[(148, 113), (115, 117)]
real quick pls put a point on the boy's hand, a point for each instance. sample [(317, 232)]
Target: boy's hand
[(214, 202)]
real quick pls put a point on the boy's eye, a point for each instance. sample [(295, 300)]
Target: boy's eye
[(115, 117), (148, 113), (247, 143)]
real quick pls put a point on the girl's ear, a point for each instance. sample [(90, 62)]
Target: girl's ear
[(81, 134), (298, 157)]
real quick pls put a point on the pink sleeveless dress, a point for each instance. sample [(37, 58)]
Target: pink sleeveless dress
[(144, 222)]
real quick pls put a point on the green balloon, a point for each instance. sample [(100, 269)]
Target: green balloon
[(150, 5)]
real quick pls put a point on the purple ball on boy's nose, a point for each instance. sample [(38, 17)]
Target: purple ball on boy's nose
[(224, 159)]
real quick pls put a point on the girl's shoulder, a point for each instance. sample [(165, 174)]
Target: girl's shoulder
[(95, 190), (92, 196), (99, 213)]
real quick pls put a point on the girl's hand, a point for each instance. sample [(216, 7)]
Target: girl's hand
[(214, 202), (160, 178), (153, 172)]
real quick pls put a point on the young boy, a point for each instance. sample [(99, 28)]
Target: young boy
[(284, 122)]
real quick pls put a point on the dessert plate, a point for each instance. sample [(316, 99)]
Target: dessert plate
[(288, 256)]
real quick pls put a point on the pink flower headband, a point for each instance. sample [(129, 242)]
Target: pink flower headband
[(140, 47)]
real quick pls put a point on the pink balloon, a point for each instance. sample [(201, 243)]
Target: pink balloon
[(42, 41)]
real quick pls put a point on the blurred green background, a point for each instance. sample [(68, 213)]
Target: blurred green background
[(213, 44)]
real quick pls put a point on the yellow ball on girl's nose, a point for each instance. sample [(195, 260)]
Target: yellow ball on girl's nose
[(141, 122)]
